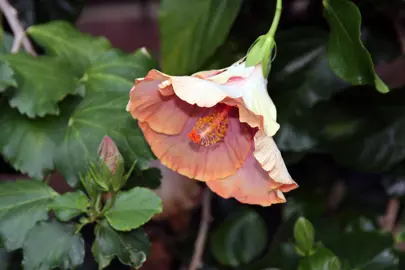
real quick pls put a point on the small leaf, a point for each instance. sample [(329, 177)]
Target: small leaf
[(322, 259), (304, 235), (70, 205), (6, 76), (348, 57), (22, 205), (131, 248), (42, 83), (185, 47), (60, 38), (52, 244), (239, 239), (133, 208)]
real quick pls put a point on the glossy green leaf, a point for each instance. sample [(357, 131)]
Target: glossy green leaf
[(133, 208), (52, 244), (239, 239), (376, 146), (362, 249), (42, 83), (22, 205), (150, 178), (185, 47), (304, 235), (7, 78), (131, 248), (300, 78), (60, 38), (322, 259), (70, 205), (348, 57)]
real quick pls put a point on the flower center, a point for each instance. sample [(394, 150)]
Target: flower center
[(210, 129)]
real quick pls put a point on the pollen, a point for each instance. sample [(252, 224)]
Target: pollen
[(210, 129)]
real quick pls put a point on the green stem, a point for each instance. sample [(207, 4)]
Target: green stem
[(97, 205), (110, 203), (276, 19)]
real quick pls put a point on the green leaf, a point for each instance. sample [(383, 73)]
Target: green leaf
[(52, 244), (96, 116), (6, 76), (133, 208), (22, 205), (131, 248), (185, 47), (301, 78), (348, 57), (150, 178), (323, 259), (304, 235), (239, 239), (70, 205), (115, 72), (69, 142), (4, 259), (350, 247), (6, 42), (60, 38), (30, 146), (43, 82)]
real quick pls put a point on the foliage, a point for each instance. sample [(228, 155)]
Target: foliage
[(341, 125)]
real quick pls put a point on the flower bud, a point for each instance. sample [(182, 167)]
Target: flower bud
[(111, 165)]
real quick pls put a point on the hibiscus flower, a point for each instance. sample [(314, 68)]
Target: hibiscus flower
[(215, 126)]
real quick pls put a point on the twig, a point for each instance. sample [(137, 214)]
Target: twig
[(202, 232), (387, 222), (19, 34)]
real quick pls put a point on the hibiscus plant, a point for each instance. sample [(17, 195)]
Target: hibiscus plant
[(265, 135)]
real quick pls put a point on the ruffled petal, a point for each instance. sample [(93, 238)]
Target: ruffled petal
[(164, 114), (251, 185), (205, 163), (269, 156)]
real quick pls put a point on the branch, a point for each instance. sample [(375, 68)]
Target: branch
[(387, 222), (19, 34), (202, 232)]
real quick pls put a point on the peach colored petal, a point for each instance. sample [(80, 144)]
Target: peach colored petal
[(164, 114), (205, 163), (245, 116), (250, 185), (268, 155)]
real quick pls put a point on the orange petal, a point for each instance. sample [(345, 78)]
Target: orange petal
[(164, 114), (268, 155), (251, 185), (205, 163)]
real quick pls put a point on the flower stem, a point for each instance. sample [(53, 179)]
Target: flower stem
[(276, 19)]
